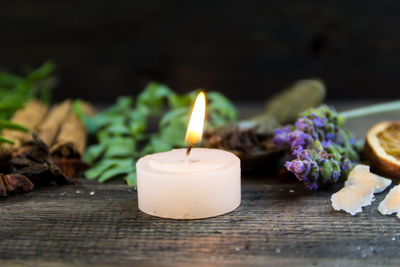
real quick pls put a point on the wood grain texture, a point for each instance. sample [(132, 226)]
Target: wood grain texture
[(276, 223)]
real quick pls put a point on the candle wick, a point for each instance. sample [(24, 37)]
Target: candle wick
[(188, 149)]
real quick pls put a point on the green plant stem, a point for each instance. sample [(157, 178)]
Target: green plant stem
[(370, 110)]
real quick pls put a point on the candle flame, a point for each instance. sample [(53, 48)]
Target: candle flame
[(194, 131)]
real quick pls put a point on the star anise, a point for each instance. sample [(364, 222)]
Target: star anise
[(29, 168), (13, 183)]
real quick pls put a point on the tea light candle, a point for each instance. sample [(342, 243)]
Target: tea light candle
[(189, 183), (206, 185)]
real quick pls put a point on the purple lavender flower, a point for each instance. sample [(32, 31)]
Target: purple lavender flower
[(330, 136), (346, 165), (303, 124), (305, 155), (299, 167), (326, 143), (319, 122), (336, 175), (298, 141), (317, 147), (312, 186), (281, 137), (353, 141)]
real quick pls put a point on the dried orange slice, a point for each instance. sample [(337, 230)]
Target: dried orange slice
[(382, 148)]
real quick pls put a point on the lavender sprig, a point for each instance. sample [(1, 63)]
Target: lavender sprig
[(320, 150)]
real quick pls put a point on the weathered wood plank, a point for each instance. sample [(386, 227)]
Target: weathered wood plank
[(276, 223)]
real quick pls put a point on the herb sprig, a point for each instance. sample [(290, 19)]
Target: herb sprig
[(124, 132), (16, 90)]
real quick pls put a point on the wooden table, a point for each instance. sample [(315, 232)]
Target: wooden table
[(278, 223)]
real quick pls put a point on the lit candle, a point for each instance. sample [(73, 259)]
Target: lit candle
[(190, 183)]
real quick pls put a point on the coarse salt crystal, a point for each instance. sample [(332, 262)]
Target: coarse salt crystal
[(361, 175), (352, 198), (391, 203), (359, 190)]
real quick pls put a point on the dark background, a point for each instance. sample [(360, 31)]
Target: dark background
[(246, 49)]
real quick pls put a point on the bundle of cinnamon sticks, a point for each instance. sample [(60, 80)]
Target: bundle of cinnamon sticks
[(59, 128)]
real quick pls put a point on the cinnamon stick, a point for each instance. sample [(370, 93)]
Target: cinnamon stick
[(71, 143), (30, 116), (50, 127), (71, 140)]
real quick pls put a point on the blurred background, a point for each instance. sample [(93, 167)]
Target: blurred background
[(246, 49)]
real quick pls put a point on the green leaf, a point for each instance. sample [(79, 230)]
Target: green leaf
[(103, 136), (179, 101), (351, 153), (41, 73), (113, 173), (120, 147), (327, 169), (131, 179), (44, 93), (181, 114), (94, 152), (137, 115), (4, 140), (4, 124), (174, 133), (9, 80), (334, 152), (216, 120), (102, 166), (118, 127), (98, 169), (159, 145), (137, 128), (124, 103), (16, 90), (219, 103), (317, 146), (341, 120), (153, 97), (88, 121), (101, 121)]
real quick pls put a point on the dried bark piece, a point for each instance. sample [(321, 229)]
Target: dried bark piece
[(49, 128), (30, 116)]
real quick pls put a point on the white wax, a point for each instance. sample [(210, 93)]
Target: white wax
[(205, 184)]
